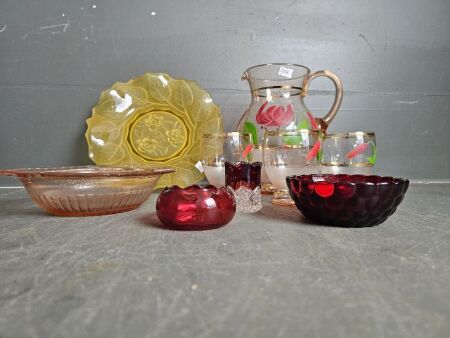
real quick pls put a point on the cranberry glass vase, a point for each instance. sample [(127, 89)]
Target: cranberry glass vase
[(195, 208)]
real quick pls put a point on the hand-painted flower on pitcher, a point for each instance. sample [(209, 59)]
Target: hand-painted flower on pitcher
[(275, 116)]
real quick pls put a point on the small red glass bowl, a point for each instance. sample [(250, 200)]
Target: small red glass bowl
[(195, 208), (347, 200)]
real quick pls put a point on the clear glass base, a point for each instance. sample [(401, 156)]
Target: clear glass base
[(247, 200), (281, 197), (267, 189)]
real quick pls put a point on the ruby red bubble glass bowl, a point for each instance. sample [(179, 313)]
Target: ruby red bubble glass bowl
[(195, 207), (347, 200)]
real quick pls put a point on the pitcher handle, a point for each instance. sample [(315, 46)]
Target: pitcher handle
[(326, 120)]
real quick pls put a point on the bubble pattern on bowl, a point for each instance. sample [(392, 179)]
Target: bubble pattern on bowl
[(347, 200)]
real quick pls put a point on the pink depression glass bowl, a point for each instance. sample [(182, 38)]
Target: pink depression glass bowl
[(88, 190), (195, 208), (347, 200)]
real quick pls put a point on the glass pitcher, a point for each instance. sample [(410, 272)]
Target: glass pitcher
[(277, 91)]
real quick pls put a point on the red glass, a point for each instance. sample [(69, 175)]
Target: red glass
[(195, 208), (243, 174), (347, 200)]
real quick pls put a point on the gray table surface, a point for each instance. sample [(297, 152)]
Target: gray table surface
[(269, 274)]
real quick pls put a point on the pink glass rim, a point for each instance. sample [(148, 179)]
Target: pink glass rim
[(87, 172)]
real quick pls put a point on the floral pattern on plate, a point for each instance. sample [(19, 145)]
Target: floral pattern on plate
[(153, 120)]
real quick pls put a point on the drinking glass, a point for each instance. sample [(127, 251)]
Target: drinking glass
[(217, 148), (348, 153), (289, 153)]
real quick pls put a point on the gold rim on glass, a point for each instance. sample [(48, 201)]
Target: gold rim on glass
[(290, 133), (225, 134), (351, 134)]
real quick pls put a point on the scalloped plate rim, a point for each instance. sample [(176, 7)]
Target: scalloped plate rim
[(190, 83)]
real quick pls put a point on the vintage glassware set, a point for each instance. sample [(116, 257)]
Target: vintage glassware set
[(158, 132)]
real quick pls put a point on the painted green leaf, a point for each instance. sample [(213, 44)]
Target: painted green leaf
[(319, 155), (303, 124), (296, 140), (249, 157), (372, 159), (292, 140), (250, 128)]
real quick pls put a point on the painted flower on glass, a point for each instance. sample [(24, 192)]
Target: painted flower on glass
[(275, 116)]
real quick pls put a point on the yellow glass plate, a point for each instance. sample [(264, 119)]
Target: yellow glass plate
[(153, 120)]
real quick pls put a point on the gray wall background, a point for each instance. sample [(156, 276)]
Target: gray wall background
[(392, 56)]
